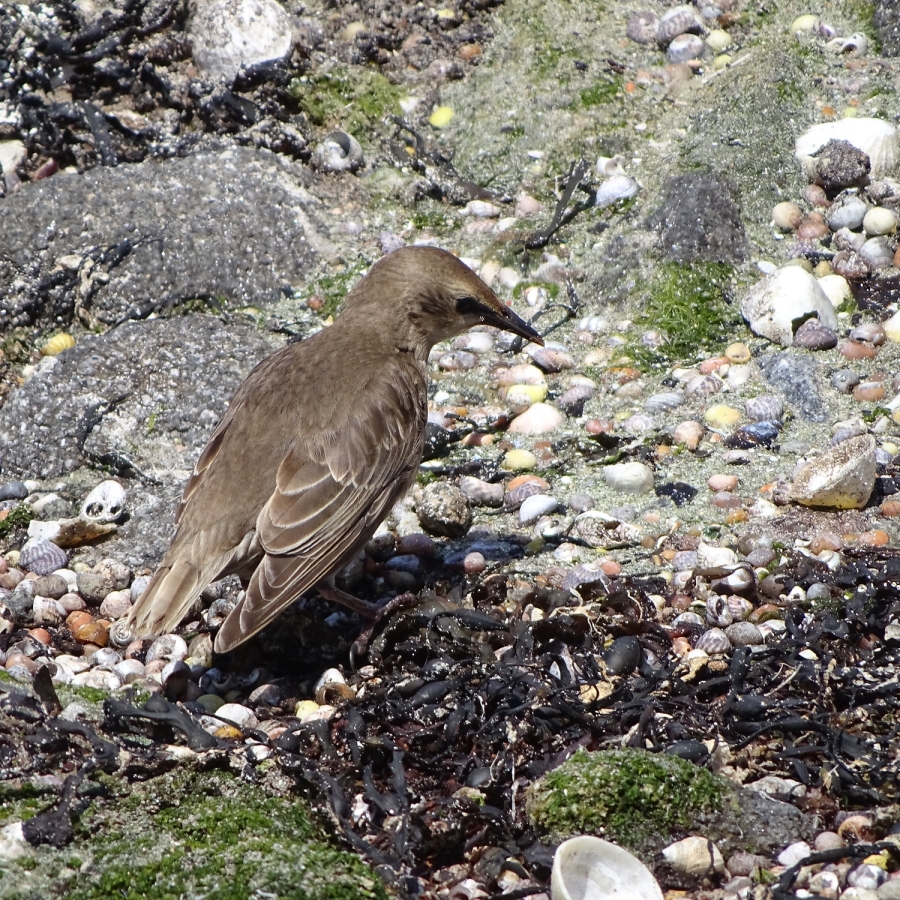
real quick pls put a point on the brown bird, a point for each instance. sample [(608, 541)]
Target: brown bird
[(318, 444)]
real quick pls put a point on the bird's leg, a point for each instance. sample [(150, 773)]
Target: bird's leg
[(363, 608)]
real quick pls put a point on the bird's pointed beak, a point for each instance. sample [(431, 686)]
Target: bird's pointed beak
[(501, 316)]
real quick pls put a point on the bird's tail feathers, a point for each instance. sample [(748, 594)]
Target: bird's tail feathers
[(167, 598)]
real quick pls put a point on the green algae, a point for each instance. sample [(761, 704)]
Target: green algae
[(18, 517), (689, 305), (350, 98), (632, 797), (193, 834)]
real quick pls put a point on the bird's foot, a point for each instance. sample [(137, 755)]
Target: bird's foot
[(363, 608), (360, 646)]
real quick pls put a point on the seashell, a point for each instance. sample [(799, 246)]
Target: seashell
[(639, 423), (870, 333), (875, 137), (573, 400), (629, 478), (167, 647), (237, 714), (641, 27), (856, 829), (705, 385), (844, 239), (841, 478), (677, 21), (588, 868), (338, 152), (98, 678), (535, 506), (713, 642), (854, 46), (805, 23), (522, 373), (619, 187), (747, 864), (593, 324), (718, 612), (685, 48), (42, 556), (552, 360), (754, 435), (744, 634), (694, 856), (45, 611), (519, 494), (474, 342), (105, 503), (481, 209), (120, 635), (688, 618), (740, 607), (849, 264), (765, 408), (57, 344), (815, 335), (877, 253), (848, 211), (457, 361), (663, 402), (778, 301)]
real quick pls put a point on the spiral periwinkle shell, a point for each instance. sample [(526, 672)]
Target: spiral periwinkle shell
[(713, 641), (641, 27), (339, 152), (677, 21)]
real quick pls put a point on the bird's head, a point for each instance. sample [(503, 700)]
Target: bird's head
[(434, 297)]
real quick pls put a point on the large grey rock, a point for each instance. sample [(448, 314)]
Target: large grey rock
[(140, 400), (887, 24), (699, 220), (122, 242)]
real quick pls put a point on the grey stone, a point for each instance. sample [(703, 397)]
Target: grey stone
[(94, 587), (123, 242), (140, 400), (887, 24), (699, 220), (444, 509), (798, 378)]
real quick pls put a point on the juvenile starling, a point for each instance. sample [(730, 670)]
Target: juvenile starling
[(318, 444)]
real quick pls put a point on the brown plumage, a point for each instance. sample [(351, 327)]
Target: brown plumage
[(319, 442)]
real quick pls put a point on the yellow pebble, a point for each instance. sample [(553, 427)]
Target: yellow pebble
[(722, 61), (446, 14), (850, 112), (521, 396), (305, 708), (721, 416), (228, 733), (890, 447), (441, 117), (804, 23), (57, 344), (519, 461), (738, 352)]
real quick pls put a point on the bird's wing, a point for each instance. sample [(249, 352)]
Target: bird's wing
[(332, 489)]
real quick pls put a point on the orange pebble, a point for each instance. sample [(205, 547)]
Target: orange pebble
[(598, 426), (874, 538), (92, 633), (527, 479), (890, 509), (611, 567), (680, 646), (868, 391), (629, 87), (41, 635), (736, 515), (713, 364), (856, 350), (469, 51), (477, 439), (723, 482), (228, 733), (78, 618)]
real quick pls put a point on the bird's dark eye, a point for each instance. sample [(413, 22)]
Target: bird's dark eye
[(468, 306)]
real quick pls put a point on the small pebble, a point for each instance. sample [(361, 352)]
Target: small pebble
[(518, 460)]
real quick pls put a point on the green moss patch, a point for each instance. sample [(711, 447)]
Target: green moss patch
[(631, 797), (687, 304), (351, 98), (194, 834)]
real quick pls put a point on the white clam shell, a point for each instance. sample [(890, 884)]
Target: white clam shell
[(843, 477), (694, 856), (875, 137), (105, 503), (588, 868)]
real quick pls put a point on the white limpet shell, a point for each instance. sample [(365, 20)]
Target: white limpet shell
[(588, 868), (843, 477), (105, 503), (616, 188), (875, 137)]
